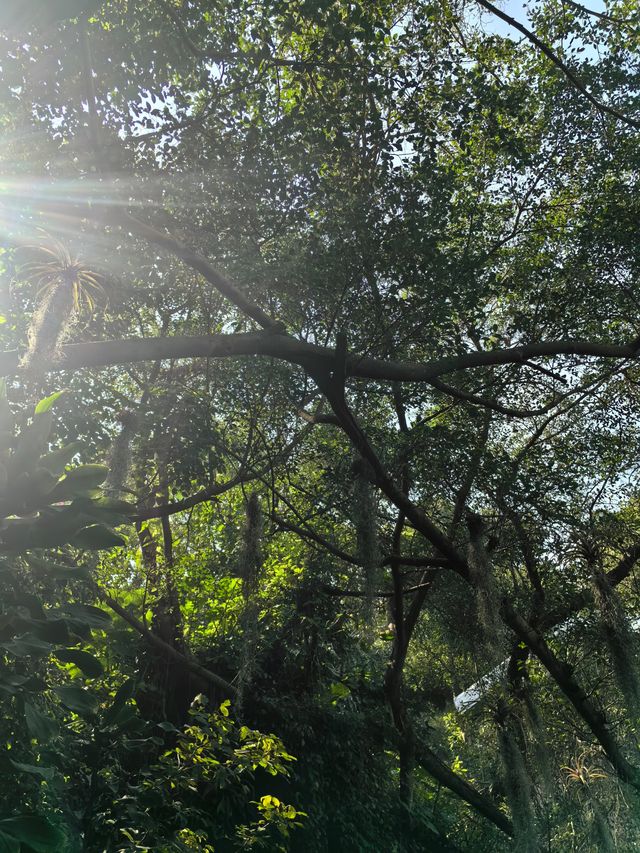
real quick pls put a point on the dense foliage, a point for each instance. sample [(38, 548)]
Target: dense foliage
[(319, 445)]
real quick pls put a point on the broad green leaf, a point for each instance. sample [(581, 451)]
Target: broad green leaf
[(56, 461), (79, 628), (9, 844), (123, 694), (58, 570), (27, 646), (40, 484), (97, 536), (41, 727), (77, 699), (126, 718), (38, 832), (51, 630), (85, 661), (30, 445), (123, 508), (16, 684), (79, 481), (35, 770), (48, 403), (90, 615)]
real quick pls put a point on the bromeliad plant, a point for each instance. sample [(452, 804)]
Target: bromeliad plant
[(66, 287)]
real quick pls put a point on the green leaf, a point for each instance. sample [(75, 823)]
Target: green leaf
[(85, 661), (35, 770), (49, 402), (79, 628), (77, 699), (123, 694), (39, 833), (40, 484), (30, 446), (78, 481), (41, 727), (59, 571), (51, 630), (56, 461), (13, 684), (27, 646), (90, 615), (118, 507), (126, 718), (8, 844), (97, 536)]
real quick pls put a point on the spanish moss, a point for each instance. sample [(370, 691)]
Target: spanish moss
[(540, 758), (519, 788), (616, 630), (119, 462), (249, 567), (600, 829), (484, 585), (49, 325), (366, 524)]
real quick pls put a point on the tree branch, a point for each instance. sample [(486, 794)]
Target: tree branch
[(562, 674), (309, 356), (196, 262), (168, 650), (575, 81)]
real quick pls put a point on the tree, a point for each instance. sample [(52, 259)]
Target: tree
[(366, 270)]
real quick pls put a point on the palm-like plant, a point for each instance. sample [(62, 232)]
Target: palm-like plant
[(66, 288)]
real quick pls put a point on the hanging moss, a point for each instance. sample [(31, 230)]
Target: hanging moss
[(251, 554), (249, 567), (120, 458), (50, 323), (600, 830), (518, 785), (366, 524), (540, 758), (484, 585), (615, 628)]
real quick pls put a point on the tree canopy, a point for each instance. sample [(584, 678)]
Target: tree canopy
[(319, 448)]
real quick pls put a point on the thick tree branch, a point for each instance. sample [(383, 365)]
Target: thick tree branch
[(584, 598), (196, 262), (307, 533), (492, 405), (443, 774), (167, 509), (413, 513), (167, 649), (309, 356), (562, 674)]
